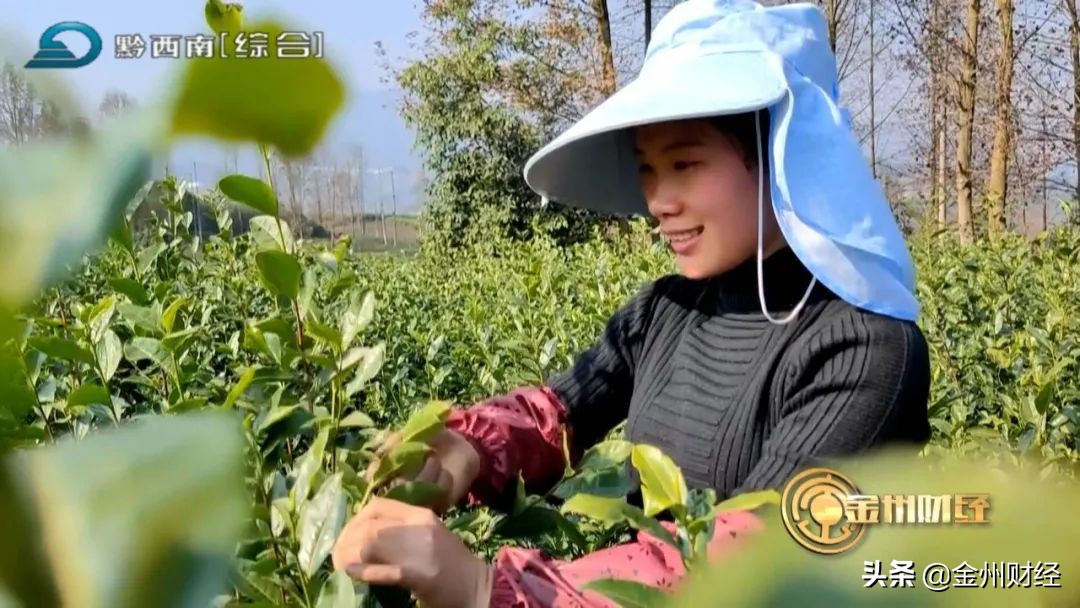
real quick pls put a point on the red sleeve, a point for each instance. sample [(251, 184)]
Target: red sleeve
[(526, 578), (520, 432)]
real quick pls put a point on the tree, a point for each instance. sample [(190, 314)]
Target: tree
[(1074, 56), (115, 103), (603, 46), (997, 189), (965, 122), (19, 107), (489, 87)]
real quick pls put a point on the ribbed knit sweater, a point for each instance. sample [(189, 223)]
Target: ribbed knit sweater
[(741, 403)]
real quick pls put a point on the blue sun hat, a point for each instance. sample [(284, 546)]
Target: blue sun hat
[(713, 57)]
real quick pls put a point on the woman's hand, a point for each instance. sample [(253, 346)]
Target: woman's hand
[(393, 543), (452, 465)]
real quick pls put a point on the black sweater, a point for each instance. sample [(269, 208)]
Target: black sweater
[(738, 402)]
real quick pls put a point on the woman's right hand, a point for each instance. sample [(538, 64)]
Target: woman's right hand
[(453, 465)]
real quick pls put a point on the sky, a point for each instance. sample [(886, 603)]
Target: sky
[(350, 30)]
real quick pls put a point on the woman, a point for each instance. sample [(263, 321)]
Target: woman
[(789, 336)]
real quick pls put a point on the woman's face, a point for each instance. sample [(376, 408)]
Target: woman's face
[(704, 195)]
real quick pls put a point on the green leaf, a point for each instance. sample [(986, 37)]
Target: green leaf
[(142, 317), (606, 454), (404, 460), (1042, 400), (600, 508), (242, 384), (99, 317), (60, 348), (321, 520), (357, 317), (280, 273), (419, 493), (324, 333), (662, 484), (16, 396), (628, 594), (89, 394), (338, 592), (254, 193), (369, 366), (536, 521), (297, 98), (264, 231), (273, 416), (165, 494), (747, 501), (426, 422), (178, 342), (613, 482), (61, 197), (357, 420), (307, 466), (109, 352), (146, 349), (132, 288), (168, 318)]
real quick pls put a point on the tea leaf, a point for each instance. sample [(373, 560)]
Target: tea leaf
[(357, 317), (254, 193), (662, 483), (425, 422), (419, 493), (369, 366), (109, 353), (89, 394), (600, 508), (280, 273), (338, 592), (60, 348), (358, 420), (404, 460), (321, 519), (146, 349)]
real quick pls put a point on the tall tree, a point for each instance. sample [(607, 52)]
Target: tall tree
[(603, 46), (19, 107), (115, 103), (965, 121), (997, 188), (1074, 55)]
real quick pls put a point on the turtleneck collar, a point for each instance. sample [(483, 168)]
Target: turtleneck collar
[(786, 280)]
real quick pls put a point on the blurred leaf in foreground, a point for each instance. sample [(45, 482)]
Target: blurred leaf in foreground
[(60, 198), (1029, 521), (145, 515), (297, 98)]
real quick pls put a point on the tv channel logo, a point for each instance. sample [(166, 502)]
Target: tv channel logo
[(53, 53)]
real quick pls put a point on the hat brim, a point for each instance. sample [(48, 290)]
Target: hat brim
[(592, 164)]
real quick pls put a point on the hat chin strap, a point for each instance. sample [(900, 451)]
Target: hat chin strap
[(761, 238)]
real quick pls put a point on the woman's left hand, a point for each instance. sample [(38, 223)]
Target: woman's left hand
[(393, 543)]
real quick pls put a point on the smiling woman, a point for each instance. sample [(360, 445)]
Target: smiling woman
[(763, 196), (697, 177)]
